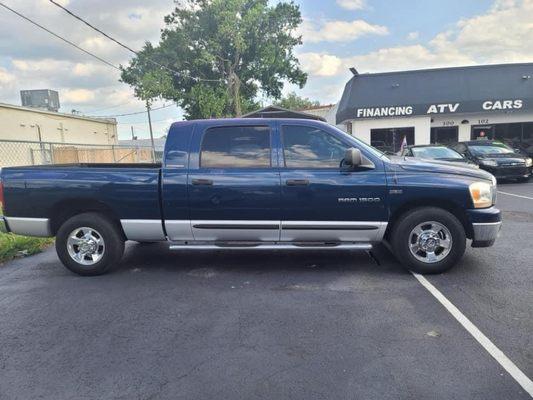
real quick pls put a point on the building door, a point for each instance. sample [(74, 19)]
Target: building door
[(234, 191), (321, 201), (445, 135), (482, 132), (390, 140)]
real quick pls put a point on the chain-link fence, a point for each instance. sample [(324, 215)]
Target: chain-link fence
[(18, 153)]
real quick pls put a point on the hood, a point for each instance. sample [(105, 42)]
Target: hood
[(440, 167), (454, 160)]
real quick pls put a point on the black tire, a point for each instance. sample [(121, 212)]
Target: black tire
[(523, 179), (111, 250), (401, 237)]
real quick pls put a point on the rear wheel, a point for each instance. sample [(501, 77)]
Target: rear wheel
[(428, 240), (89, 244)]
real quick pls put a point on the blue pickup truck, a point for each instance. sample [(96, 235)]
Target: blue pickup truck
[(256, 184)]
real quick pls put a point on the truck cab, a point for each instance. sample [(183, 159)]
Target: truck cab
[(255, 184)]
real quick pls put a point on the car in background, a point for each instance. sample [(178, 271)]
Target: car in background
[(497, 158), (435, 152)]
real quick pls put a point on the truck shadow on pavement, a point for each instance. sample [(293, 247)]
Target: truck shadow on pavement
[(157, 256)]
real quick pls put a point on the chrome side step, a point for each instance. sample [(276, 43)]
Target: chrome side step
[(270, 246)]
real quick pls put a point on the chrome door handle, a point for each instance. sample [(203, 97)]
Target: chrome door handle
[(297, 182), (202, 182)]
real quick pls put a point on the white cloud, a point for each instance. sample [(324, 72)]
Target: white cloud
[(404, 58), (6, 78), (37, 59), (413, 35), (352, 4), (320, 64), (339, 31), (32, 58), (78, 96), (498, 36)]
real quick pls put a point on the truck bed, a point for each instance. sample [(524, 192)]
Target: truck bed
[(92, 165), (129, 191)]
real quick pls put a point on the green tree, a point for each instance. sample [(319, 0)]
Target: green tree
[(294, 102), (216, 56)]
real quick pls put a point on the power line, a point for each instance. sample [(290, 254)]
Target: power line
[(107, 108), (132, 113), (59, 37), (177, 73)]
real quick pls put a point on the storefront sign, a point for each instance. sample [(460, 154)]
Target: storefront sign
[(441, 108), (384, 111), (502, 105)]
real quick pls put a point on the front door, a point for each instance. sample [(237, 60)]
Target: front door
[(234, 186), (322, 202)]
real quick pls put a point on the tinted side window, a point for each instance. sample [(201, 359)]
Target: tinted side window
[(308, 147), (236, 147)]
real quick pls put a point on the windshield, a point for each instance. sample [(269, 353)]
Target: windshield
[(435, 152), (495, 148), (362, 144)]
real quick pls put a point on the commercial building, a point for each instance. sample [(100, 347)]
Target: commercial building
[(440, 106), (33, 124)]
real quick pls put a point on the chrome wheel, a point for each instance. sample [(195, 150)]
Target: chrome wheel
[(86, 246), (430, 242)]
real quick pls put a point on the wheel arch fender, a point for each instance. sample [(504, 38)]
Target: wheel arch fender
[(445, 204), (68, 208)]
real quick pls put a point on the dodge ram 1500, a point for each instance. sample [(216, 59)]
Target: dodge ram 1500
[(256, 184)]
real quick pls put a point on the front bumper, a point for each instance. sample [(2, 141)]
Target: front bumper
[(504, 172), (486, 225)]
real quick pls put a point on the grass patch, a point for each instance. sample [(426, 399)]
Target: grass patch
[(12, 246)]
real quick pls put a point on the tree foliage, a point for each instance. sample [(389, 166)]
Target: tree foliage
[(294, 102), (225, 53)]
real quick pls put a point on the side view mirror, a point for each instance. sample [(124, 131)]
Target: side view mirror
[(353, 157)]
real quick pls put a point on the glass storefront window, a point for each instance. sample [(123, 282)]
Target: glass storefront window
[(445, 135), (518, 135), (527, 138), (510, 134), (390, 140)]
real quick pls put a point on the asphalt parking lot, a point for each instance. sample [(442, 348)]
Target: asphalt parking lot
[(280, 325)]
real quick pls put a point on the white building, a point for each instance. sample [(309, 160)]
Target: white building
[(33, 124), (440, 106)]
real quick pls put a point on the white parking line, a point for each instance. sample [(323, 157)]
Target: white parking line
[(516, 195), (484, 341)]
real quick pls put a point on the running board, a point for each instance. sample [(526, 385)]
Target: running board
[(271, 246)]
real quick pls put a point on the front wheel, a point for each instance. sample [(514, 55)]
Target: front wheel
[(89, 244), (428, 240)]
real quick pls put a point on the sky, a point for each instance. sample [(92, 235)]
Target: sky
[(370, 35)]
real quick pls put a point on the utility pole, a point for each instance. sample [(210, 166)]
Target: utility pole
[(132, 134), (44, 159), (151, 131)]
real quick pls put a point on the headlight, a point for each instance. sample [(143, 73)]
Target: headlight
[(529, 162), (489, 163), (482, 194)]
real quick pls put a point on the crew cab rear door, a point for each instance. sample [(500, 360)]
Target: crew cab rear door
[(234, 183), (322, 201)]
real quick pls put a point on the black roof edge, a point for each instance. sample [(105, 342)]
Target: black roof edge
[(484, 66)]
